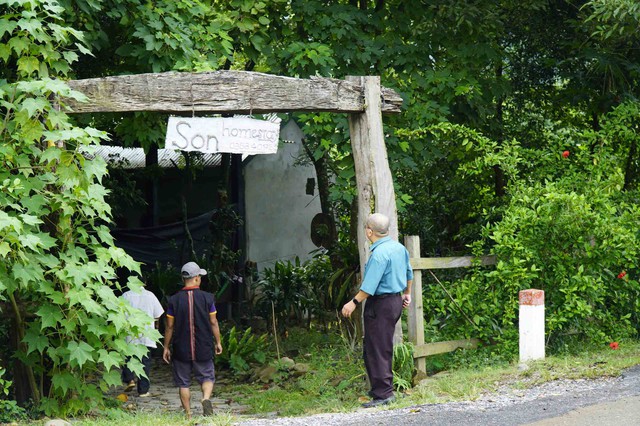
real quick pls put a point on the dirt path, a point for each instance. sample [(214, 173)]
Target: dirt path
[(164, 395)]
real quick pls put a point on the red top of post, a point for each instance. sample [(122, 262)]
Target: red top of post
[(531, 297)]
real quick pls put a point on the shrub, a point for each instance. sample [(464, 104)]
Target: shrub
[(9, 409), (240, 349), (284, 290)]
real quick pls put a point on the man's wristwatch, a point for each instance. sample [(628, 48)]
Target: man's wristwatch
[(355, 301)]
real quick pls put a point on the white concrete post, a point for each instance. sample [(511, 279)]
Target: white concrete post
[(531, 324)]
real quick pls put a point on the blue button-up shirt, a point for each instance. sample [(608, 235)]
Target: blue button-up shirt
[(388, 268)]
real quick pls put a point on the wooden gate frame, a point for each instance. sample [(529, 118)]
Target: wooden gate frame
[(246, 92), (415, 318)]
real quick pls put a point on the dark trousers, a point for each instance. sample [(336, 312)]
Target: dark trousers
[(143, 382), (380, 317)]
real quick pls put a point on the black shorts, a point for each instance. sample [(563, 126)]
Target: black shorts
[(202, 370)]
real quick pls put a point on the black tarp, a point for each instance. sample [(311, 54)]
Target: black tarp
[(167, 244)]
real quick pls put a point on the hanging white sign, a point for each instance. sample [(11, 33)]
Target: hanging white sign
[(237, 135)]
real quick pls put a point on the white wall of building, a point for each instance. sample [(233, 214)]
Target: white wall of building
[(278, 210)]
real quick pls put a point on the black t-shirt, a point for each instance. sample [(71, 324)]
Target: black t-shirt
[(192, 339)]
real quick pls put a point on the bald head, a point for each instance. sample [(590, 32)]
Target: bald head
[(379, 224)]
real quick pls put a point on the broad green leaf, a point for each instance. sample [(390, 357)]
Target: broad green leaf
[(112, 378), (26, 274), (110, 359), (134, 283), (104, 234), (5, 52), (19, 44), (135, 365), (118, 320), (30, 220), (28, 64), (46, 240), (70, 56), (121, 258), (32, 26), (49, 315), (35, 341), (77, 294), (7, 221), (51, 153), (108, 298), (65, 381), (96, 326), (4, 249), (79, 353), (34, 105), (91, 306), (7, 26), (30, 241)]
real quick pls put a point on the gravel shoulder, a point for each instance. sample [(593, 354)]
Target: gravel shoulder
[(561, 402)]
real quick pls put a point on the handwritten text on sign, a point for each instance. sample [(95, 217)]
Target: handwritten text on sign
[(237, 135)]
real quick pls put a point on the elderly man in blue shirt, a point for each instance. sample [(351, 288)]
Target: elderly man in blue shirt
[(387, 288)]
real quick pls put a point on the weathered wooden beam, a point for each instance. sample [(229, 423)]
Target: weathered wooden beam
[(443, 347), (241, 92), (449, 262)]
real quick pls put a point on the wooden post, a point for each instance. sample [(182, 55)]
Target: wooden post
[(415, 319), (373, 175)]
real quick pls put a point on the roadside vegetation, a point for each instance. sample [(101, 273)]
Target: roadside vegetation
[(336, 383)]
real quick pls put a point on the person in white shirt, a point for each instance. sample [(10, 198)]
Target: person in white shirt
[(147, 302)]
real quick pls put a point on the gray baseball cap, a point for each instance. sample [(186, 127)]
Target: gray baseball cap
[(191, 269)]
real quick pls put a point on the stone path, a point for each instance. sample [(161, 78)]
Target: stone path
[(164, 395)]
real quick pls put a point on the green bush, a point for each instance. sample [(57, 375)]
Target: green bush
[(285, 290), (9, 409), (240, 349), (568, 228)]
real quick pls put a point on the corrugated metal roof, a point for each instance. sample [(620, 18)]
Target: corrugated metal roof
[(134, 158)]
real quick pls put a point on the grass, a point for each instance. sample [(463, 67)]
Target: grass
[(336, 381)]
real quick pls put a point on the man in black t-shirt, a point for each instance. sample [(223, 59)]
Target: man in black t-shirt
[(191, 329)]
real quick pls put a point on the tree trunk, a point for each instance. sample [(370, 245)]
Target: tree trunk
[(31, 379)]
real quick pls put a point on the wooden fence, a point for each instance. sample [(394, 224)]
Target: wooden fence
[(415, 320)]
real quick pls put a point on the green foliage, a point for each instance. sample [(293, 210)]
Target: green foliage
[(332, 286), (403, 366), (166, 278), (241, 349), (615, 19), (566, 229), (221, 260), (284, 290), (449, 210), (58, 259), (9, 409)]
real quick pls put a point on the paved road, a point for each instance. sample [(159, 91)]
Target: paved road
[(625, 411), (604, 402)]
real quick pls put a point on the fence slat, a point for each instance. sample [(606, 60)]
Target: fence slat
[(419, 352), (449, 262)]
